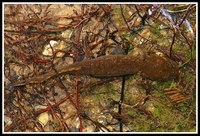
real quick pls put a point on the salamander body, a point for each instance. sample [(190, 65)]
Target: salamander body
[(152, 66)]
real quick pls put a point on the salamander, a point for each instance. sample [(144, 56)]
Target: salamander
[(153, 67)]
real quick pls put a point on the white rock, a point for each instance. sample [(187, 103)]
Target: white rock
[(43, 118), (7, 120), (90, 128)]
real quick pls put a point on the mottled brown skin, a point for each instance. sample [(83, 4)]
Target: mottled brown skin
[(153, 67), (159, 68)]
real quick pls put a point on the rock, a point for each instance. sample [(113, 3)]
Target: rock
[(90, 128), (43, 118), (7, 121)]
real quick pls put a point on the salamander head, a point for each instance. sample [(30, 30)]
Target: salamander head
[(159, 68)]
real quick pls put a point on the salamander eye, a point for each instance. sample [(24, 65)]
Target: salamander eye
[(171, 63), (166, 79)]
